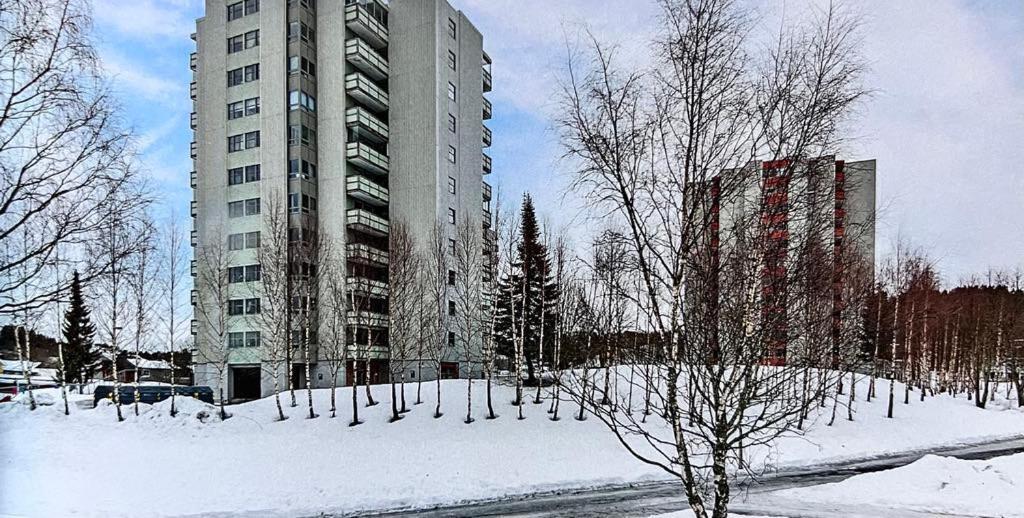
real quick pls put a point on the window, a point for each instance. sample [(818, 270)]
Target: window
[(298, 98), (252, 72), (236, 176), (252, 6), (451, 246), (252, 338), (298, 64), (452, 154), (252, 39), (244, 74), (236, 110), (451, 60), (252, 239), (236, 340), (252, 106), (252, 173), (451, 308), (301, 169), (451, 215), (236, 43), (451, 277), (252, 139), (253, 273), (236, 307), (301, 31), (237, 274), (309, 4), (252, 306), (301, 134), (235, 11), (308, 203), (451, 339), (451, 185), (452, 28), (293, 202), (451, 123), (451, 91), (235, 143), (252, 207), (236, 242)]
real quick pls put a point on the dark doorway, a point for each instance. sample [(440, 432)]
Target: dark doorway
[(245, 383), (449, 370), (299, 376), (379, 370)]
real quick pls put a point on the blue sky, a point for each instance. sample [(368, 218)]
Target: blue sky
[(946, 122)]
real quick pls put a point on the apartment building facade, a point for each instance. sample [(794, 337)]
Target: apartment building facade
[(348, 115), (781, 204)]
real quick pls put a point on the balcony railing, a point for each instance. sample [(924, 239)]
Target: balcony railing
[(193, 89), (367, 319), (487, 191), (368, 287), (194, 208), (487, 109), (193, 179), (487, 80), (364, 124), (364, 189), (361, 22), (487, 137), (194, 238), (366, 255), (192, 61), (364, 221), (487, 164), (193, 120), (362, 89), (363, 57), (193, 149), (367, 158)]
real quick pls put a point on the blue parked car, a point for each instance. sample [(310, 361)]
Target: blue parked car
[(151, 393)]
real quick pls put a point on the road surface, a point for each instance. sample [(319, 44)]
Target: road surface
[(754, 498)]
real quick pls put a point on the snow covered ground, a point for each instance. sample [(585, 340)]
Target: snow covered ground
[(88, 464), (935, 485)]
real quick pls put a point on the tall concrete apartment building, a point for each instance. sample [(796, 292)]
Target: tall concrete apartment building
[(828, 200), (351, 113)]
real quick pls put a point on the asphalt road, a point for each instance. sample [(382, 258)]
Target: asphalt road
[(753, 498)]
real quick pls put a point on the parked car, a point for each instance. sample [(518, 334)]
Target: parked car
[(152, 393)]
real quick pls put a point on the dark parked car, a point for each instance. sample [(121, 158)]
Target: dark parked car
[(151, 394)]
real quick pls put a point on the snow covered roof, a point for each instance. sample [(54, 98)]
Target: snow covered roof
[(16, 366), (142, 363)]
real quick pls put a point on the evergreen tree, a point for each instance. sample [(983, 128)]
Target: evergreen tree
[(533, 264), (80, 359)]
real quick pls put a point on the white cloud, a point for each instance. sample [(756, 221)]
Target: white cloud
[(147, 19)]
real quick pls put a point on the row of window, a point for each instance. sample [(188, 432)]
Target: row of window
[(298, 64), (248, 140), (239, 109), (249, 273), (247, 174), (244, 41), (240, 9), (238, 209), (308, 4), (300, 31), (301, 134), (243, 75), (243, 307), (245, 339), (298, 98), (244, 241), (308, 203), (301, 169)]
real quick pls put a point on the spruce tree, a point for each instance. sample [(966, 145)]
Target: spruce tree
[(80, 359), (533, 264)]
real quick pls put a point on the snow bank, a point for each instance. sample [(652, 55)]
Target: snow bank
[(939, 485), (89, 465)]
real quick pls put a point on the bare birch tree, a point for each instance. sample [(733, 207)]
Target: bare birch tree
[(404, 267), (468, 322), (213, 283), (438, 346)]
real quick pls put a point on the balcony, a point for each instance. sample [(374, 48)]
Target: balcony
[(194, 238), (193, 179), (367, 60), (362, 89), (193, 150), (368, 287), (487, 218), (366, 158), (367, 319), (363, 189), (194, 208), (364, 125), (487, 191), (194, 267), (487, 164), (488, 136), (487, 80), (359, 20), (192, 61), (366, 255), (364, 221), (487, 109), (193, 120), (193, 89)]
